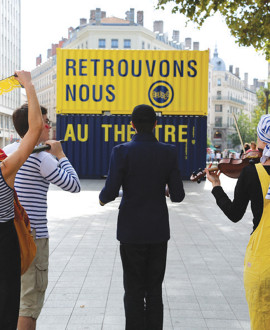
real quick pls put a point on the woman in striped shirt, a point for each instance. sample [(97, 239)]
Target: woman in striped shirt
[(10, 268)]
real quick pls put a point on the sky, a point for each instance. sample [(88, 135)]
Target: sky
[(47, 22)]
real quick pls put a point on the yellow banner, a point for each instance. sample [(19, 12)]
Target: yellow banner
[(93, 81), (8, 84)]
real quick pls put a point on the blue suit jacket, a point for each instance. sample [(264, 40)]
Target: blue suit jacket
[(143, 167)]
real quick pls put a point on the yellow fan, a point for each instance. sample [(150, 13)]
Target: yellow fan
[(8, 84)]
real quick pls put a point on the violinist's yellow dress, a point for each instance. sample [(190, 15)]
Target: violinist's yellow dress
[(257, 264)]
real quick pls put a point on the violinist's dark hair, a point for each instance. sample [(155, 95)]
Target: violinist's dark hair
[(20, 118), (246, 146)]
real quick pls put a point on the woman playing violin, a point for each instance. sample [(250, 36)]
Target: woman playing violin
[(253, 185)]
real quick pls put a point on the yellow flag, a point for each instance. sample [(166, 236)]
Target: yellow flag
[(8, 84)]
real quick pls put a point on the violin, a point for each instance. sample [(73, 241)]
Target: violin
[(229, 166)]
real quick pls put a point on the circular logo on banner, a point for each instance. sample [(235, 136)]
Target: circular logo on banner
[(160, 94)]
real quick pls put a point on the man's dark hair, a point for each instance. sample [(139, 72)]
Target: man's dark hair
[(144, 118), (20, 118)]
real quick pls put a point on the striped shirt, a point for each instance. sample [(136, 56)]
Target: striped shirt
[(32, 183), (6, 200)]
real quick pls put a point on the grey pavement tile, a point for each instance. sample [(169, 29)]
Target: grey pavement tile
[(218, 300), (206, 306), (185, 313), (62, 297), (86, 319), (114, 319), (46, 326), (245, 325), (221, 314), (61, 311), (56, 303), (84, 327), (82, 310), (189, 328), (59, 320), (223, 324), (66, 290), (113, 327), (189, 322)]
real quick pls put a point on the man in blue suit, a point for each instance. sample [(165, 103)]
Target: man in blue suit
[(143, 167)]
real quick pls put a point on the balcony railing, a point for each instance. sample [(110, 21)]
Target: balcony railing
[(228, 98)]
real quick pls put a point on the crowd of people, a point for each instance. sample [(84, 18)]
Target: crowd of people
[(148, 172), (217, 155)]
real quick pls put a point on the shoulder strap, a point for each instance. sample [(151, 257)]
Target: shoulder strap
[(263, 177)]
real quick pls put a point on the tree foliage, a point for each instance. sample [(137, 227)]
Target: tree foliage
[(248, 128), (246, 131), (248, 20)]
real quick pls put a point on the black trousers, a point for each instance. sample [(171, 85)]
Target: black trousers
[(144, 268), (10, 276)]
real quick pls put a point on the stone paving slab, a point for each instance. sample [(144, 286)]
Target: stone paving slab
[(203, 286)]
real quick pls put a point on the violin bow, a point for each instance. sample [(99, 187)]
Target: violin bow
[(240, 138)]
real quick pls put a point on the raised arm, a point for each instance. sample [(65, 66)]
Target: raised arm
[(12, 164), (61, 174)]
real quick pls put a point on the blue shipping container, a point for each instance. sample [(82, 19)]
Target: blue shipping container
[(90, 139)]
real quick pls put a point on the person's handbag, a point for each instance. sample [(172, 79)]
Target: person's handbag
[(27, 244)]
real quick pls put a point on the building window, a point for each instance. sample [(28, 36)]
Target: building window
[(219, 82), (143, 45), (219, 95), (218, 121), (114, 43), (101, 43), (127, 43), (218, 108)]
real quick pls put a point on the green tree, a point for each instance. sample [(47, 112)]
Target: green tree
[(245, 129), (259, 110), (248, 20), (248, 128), (208, 142)]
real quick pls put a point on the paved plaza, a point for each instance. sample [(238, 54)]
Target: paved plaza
[(203, 287)]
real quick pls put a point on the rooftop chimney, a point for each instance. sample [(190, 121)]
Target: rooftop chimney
[(246, 79), (130, 16), (98, 16), (61, 42), (237, 72), (38, 60), (83, 21), (176, 35), (255, 82), (70, 30), (231, 68), (54, 46), (188, 43), (49, 53), (196, 45), (140, 17), (92, 16), (158, 26)]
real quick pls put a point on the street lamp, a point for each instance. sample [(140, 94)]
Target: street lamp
[(266, 92)]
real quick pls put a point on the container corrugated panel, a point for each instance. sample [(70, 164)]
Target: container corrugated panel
[(174, 82), (89, 140)]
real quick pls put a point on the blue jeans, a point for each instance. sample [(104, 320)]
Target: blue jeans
[(144, 268)]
